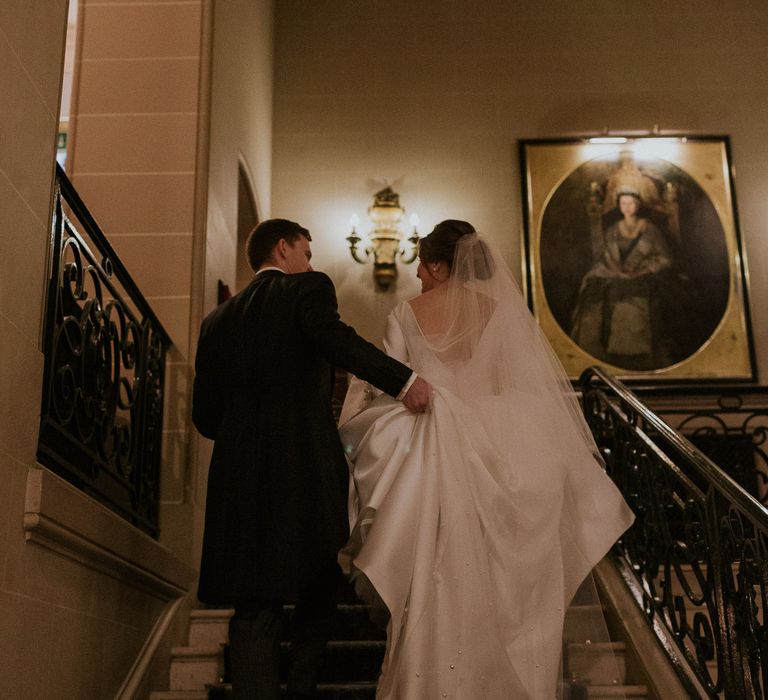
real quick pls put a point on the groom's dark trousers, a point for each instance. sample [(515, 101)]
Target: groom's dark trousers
[(277, 486), (255, 631)]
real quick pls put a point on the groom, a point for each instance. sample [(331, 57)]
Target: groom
[(277, 486)]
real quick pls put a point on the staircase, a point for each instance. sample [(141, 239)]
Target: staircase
[(594, 667), (356, 649)]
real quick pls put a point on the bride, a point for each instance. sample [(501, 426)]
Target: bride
[(475, 522)]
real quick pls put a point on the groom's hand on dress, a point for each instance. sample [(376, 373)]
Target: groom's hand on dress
[(417, 398)]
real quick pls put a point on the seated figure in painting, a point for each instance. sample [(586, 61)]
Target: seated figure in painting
[(619, 312)]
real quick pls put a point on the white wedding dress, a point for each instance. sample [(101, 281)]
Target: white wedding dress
[(474, 523)]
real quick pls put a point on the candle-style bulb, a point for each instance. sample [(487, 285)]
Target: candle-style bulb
[(354, 220), (414, 220)]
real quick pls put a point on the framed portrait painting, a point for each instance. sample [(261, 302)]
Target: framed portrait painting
[(633, 259)]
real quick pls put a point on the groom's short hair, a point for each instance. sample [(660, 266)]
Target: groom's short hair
[(265, 236)]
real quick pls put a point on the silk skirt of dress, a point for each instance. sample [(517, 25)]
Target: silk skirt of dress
[(474, 525)]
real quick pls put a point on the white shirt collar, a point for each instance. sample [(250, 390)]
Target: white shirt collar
[(271, 267)]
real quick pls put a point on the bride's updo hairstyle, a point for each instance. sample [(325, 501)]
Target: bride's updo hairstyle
[(440, 246)]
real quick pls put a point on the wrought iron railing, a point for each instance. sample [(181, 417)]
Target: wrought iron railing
[(696, 558), (102, 408), (728, 423)]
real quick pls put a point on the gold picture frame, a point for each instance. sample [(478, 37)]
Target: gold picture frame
[(633, 258)]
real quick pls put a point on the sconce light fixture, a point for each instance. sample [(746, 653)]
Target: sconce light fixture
[(385, 238)]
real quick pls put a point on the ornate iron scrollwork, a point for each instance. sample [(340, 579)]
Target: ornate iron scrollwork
[(102, 410), (696, 557)]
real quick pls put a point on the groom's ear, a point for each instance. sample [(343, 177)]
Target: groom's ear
[(280, 249)]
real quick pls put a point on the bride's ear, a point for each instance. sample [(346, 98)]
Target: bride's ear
[(441, 271)]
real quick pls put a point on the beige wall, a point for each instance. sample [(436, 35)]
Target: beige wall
[(134, 144), (241, 129), (154, 81), (434, 95), (240, 135), (137, 154), (79, 608), (80, 590), (68, 630), (31, 46)]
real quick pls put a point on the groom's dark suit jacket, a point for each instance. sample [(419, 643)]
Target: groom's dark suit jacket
[(277, 487)]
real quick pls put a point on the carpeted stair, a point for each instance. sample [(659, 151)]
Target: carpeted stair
[(356, 649)]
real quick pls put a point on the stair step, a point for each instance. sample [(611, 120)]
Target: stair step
[(352, 622), (209, 627), (598, 692), (196, 652), (192, 668), (584, 622), (598, 663), (355, 661), (179, 695), (364, 691), (356, 650), (325, 691), (585, 594), (211, 613), (348, 661)]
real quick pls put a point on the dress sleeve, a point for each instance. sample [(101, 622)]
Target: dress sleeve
[(360, 393), (394, 336)]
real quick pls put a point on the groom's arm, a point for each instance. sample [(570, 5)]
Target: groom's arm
[(339, 343), (206, 411)]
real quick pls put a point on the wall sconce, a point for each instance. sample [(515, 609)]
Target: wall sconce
[(385, 239)]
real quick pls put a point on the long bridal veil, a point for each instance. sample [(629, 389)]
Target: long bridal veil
[(479, 520)]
